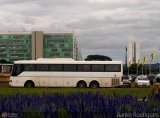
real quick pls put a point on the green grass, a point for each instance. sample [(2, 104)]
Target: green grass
[(140, 92)]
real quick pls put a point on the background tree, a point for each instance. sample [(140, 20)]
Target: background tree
[(97, 57)]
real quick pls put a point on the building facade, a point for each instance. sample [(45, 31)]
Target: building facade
[(133, 52), (38, 44)]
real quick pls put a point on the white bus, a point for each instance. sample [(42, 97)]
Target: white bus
[(66, 73)]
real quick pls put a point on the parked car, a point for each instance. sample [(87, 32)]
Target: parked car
[(127, 81), (156, 79), (142, 81), (133, 77), (151, 78)]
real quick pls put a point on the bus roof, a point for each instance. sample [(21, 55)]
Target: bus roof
[(63, 61)]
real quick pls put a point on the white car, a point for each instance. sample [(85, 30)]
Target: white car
[(142, 81)]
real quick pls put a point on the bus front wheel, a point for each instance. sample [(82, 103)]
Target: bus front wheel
[(29, 84)]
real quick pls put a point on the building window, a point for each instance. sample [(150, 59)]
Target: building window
[(61, 45), (67, 50), (54, 50), (67, 54)]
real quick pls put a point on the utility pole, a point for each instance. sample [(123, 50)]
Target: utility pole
[(137, 69), (142, 69), (158, 56)]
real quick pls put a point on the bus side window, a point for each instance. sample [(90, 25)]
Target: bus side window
[(70, 67), (97, 68), (29, 67), (112, 68), (41, 67), (84, 68), (56, 67)]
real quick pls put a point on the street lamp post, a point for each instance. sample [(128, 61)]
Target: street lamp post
[(2, 62), (142, 69), (128, 71), (137, 69), (150, 68), (158, 60)]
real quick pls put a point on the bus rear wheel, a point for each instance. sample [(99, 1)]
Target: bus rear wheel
[(82, 84), (94, 84), (29, 84)]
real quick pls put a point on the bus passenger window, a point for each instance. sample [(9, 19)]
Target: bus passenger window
[(56, 67), (70, 67), (42, 67), (84, 67), (97, 68), (112, 68), (29, 67)]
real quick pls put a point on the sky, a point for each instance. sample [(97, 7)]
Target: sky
[(101, 27)]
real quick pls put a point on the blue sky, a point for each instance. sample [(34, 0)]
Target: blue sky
[(101, 26)]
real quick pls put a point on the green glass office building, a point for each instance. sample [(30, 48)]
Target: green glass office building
[(38, 44)]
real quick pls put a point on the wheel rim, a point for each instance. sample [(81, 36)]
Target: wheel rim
[(94, 85), (29, 85), (81, 85)]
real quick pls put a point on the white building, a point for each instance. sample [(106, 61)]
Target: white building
[(133, 52)]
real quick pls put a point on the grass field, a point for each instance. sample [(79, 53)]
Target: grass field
[(140, 92)]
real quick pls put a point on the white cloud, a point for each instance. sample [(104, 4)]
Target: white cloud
[(101, 26)]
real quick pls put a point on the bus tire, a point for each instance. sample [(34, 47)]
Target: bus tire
[(29, 84), (81, 84), (94, 84)]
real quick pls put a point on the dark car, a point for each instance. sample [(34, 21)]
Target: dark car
[(151, 78), (156, 79), (126, 81), (133, 77)]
